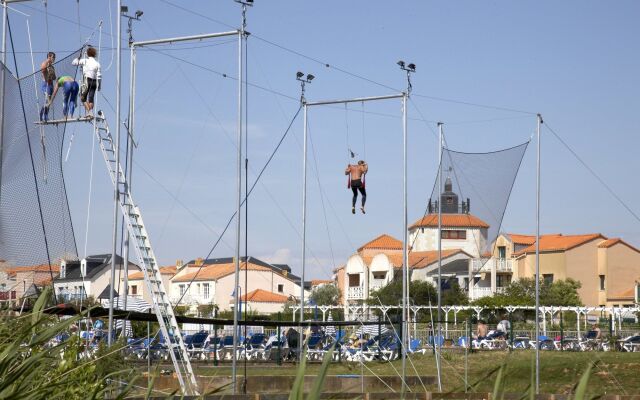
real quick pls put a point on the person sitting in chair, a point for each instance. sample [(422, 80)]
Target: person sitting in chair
[(356, 182), (481, 330)]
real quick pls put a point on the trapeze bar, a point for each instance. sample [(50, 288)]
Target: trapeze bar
[(66, 121), (356, 100), (184, 38)]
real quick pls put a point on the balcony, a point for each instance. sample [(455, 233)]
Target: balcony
[(480, 291), (355, 293), (503, 264), (480, 265), (71, 297), (376, 284)]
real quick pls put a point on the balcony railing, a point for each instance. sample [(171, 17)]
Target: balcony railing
[(481, 291), (376, 284), (71, 297), (480, 264), (355, 293), (501, 265)]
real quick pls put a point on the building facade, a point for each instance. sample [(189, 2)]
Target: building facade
[(212, 282)]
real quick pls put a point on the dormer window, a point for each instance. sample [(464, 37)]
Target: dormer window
[(63, 269), (83, 267)]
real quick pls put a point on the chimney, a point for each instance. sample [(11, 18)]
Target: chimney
[(199, 261), (179, 264)]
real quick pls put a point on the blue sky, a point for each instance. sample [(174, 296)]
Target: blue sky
[(575, 62)]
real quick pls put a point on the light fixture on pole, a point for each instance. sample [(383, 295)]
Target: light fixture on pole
[(136, 17), (303, 81), (409, 68)]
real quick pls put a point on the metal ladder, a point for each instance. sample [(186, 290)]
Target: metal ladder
[(147, 261)]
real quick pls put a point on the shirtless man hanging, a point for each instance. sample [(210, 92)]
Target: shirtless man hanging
[(357, 172)]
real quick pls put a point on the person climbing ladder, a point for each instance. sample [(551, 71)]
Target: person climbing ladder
[(91, 79), (48, 81), (356, 183), (70, 88)]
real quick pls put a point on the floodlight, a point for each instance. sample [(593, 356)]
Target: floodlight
[(412, 66), (139, 13), (310, 77), (299, 75), (401, 64)]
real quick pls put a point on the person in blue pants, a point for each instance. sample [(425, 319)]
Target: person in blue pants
[(70, 89)]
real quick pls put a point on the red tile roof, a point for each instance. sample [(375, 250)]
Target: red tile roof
[(522, 239), (450, 221), (171, 270), (382, 242), (263, 296), (627, 294), (605, 244), (33, 268), (417, 259), (216, 271), (316, 282), (557, 242)]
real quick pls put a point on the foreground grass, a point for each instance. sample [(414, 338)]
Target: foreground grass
[(616, 373)]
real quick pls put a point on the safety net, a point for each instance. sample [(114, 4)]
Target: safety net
[(474, 192), (35, 220)]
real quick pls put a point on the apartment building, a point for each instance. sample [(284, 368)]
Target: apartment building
[(213, 282)]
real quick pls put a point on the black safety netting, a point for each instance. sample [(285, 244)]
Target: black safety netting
[(474, 192), (35, 220)]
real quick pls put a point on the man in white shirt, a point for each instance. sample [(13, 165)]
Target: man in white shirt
[(92, 78)]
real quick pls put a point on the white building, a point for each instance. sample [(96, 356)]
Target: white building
[(464, 259), (138, 287), (88, 277), (212, 282)]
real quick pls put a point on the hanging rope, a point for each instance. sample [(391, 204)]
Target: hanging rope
[(46, 22), (364, 142)]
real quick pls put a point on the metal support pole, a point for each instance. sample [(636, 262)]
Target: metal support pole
[(215, 339), (279, 341), (439, 290), (538, 257), (238, 207), (131, 144), (304, 218), (116, 194), (405, 253), (2, 79)]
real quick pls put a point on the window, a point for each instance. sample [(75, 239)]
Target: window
[(182, 290), (502, 252), (379, 275), (280, 288), (205, 290), (548, 278), (458, 234), (134, 289), (503, 280), (602, 282), (354, 280)]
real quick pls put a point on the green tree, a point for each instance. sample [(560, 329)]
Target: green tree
[(455, 295), (422, 293), (562, 293), (325, 295), (523, 293)]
